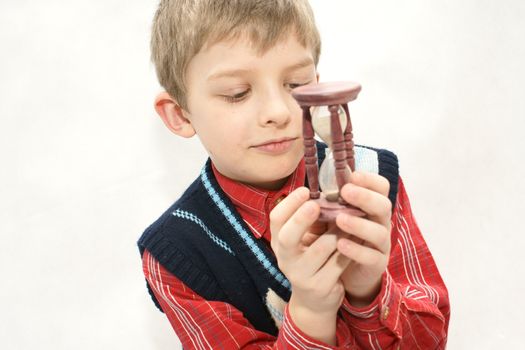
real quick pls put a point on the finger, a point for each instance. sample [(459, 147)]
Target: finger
[(319, 252), (287, 207), (317, 229), (361, 254), (309, 238), (330, 273), (373, 182), (291, 233), (374, 234), (375, 205)]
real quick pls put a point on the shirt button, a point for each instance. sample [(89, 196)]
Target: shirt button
[(385, 313)]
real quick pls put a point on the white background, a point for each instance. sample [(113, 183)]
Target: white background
[(86, 165)]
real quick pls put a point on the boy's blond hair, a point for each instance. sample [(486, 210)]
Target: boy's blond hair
[(181, 28)]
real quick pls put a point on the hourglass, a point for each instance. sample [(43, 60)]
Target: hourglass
[(325, 113)]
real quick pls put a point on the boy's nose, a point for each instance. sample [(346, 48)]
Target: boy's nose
[(276, 110)]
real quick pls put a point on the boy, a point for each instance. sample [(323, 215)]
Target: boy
[(239, 261)]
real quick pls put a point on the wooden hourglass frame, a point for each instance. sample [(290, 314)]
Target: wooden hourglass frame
[(334, 95)]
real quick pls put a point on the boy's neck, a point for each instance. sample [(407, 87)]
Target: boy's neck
[(274, 187)]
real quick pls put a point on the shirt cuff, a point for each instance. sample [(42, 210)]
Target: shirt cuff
[(297, 339), (383, 312)]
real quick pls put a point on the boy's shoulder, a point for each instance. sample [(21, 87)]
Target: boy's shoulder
[(203, 206), (379, 161), (191, 193), (192, 197)]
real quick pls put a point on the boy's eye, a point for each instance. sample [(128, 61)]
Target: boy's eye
[(292, 86), (237, 97)]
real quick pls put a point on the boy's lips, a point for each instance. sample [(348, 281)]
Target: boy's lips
[(276, 146)]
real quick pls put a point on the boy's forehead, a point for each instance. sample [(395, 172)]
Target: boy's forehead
[(233, 54), (226, 71), (243, 40)]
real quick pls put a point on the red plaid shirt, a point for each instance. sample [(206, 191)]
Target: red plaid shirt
[(411, 311)]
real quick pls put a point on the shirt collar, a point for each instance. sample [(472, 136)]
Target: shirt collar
[(254, 204)]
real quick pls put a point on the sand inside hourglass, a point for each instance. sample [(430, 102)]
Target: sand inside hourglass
[(321, 123)]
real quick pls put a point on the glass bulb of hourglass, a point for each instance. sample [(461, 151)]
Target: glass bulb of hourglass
[(321, 122), (327, 179)]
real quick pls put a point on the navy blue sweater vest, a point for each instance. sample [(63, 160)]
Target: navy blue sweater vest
[(204, 242)]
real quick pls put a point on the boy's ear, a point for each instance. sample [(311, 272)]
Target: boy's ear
[(172, 115)]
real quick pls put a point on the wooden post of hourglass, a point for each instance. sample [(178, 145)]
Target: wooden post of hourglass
[(338, 148), (332, 95), (349, 140), (310, 154)]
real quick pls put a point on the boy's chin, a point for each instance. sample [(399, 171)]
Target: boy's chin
[(269, 185)]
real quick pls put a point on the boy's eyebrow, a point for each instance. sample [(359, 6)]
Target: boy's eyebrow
[(301, 64), (236, 72), (228, 73)]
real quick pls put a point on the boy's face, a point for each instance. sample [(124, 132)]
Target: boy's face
[(241, 107)]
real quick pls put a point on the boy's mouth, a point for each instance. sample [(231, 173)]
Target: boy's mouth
[(276, 146)]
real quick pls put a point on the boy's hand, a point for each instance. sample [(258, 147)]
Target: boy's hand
[(313, 267), (369, 246)]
